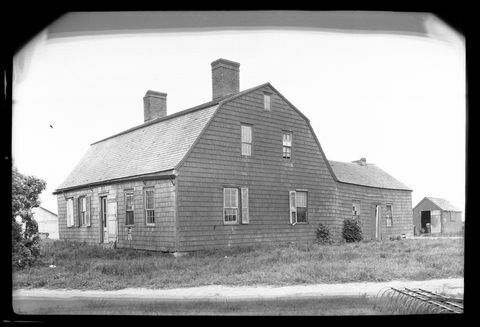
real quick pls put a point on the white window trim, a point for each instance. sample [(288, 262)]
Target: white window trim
[(150, 189), (235, 222), (244, 142), (356, 204)]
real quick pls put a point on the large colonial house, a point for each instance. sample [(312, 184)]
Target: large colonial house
[(244, 168)]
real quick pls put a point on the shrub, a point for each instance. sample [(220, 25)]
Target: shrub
[(352, 230), (323, 234)]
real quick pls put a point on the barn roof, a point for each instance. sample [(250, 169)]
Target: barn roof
[(366, 175), (442, 204), (153, 147)]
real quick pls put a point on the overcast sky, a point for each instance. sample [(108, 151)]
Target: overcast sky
[(396, 99)]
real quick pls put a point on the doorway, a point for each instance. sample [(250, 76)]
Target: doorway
[(425, 219)]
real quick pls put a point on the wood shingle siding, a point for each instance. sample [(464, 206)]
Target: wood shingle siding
[(158, 237), (216, 162), (366, 197)]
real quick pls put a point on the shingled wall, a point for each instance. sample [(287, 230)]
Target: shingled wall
[(158, 237)]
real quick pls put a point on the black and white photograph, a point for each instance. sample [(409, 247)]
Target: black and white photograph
[(239, 163)]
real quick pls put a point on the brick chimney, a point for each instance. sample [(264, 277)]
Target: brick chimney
[(225, 78), (361, 162), (154, 105)]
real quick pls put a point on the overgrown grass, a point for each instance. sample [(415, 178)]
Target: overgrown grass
[(80, 266)]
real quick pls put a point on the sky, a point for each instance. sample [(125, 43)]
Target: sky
[(399, 100)]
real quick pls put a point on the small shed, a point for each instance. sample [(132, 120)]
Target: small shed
[(435, 215)]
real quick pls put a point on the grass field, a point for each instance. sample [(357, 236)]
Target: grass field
[(80, 266)]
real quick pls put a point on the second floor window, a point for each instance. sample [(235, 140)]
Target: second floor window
[(287, 145), (246, 140), (129, 218), (149, 207)]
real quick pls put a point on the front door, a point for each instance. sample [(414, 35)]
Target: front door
[(104, 220), (112, 221), (377, 222)]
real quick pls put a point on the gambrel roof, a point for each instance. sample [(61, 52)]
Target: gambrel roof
[(366, 175), (157, 147), (441, 204), (153, 147)]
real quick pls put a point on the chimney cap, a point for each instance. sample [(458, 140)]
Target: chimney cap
[(225, 63), (361, 162), (151, 93)]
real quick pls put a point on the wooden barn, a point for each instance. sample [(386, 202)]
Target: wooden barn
[(244, 168), (435, 216)]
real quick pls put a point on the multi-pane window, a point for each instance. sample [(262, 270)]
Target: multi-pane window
[(129, 220), (287, 145), (82, 209), (355, 210), (149, 207), (298, 207), (246, 140), (69, 212), (266, 101), (301, 207), (388, 215), (230, 205)]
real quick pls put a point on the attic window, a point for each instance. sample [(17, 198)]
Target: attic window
[(266, 101), (246, 140)]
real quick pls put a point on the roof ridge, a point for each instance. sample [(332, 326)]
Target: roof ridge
[(161, 119)]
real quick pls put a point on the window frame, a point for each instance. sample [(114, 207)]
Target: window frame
[(147, 210), (290, 147), (82, 215), (294, 219), (72, 221), (250, 126), (265, 102), (387, 218), (236, 221), (132, 194)]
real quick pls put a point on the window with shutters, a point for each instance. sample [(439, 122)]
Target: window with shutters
[(389, 215), (287, 145), (246, 132), (82, 209), (266, 101), (149, 206), (230, 205), (70, 222), (129, 207), (298, 206)]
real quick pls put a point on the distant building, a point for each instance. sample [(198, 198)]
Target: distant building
[(435, 215), (47, 222)]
